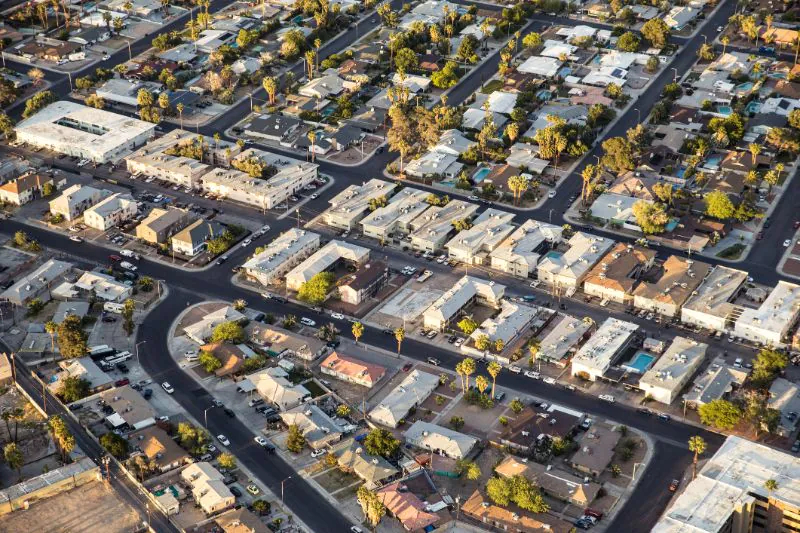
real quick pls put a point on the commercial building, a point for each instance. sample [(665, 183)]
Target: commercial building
[(81, 131), (103, 287), (365, 283), (431, 229), (439, 440), (596, 449), (289, 249), (411, 392), (76, 199), (729, 493), (473, 246), (161, 224), (667, 288), (568, 269), (519, 254), (615, 276), (192, 239), (352, 370), (711, 306), (563, 339), (665, 380), (352, 204), (318, 428), (160, 159), (38, 283), (24, 189), (208, 488), (466, 291), (272, 384), (394, 220), (602, 349), (129, 407), (111, 212), (773, 321), (718, 381), (324, 259)]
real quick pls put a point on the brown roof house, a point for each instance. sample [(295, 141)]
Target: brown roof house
[(352, 370), (240, 521), (596, 450), (742, 162), (24, 189), (515, 519), (231, 356), (664, 290), (629, 184), (162, 451), (523, 432), (373, 469), (406, 507), (615, 276), (553, 481)]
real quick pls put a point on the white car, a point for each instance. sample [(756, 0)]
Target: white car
[(246, 243), (473, 198), (787, 243), (607, 398), (531, 374), (265, 228), (551, 194), (314, 196), (549, 380), (337, 316), (167, 387), (224, 440), (515, 369), (317, 453), (75, 239), (261, 441), (307, 322)]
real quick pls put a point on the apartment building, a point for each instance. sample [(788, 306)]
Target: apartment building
[(666, 288), (673, 370), (603, 348), (465, 292), (76, 199), (324, 259), (351, 205), (192, 239), (711, 304), (111, 212), (615, 276), (519, 254), (394, 219), (431, 229), (568, 269), (281, 255), (772, 322), (473, 246), (567, 333), (365, 283), (161, 224), (160, 159)]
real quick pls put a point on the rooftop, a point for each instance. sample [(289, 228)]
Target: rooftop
[(465, 289), (777, 313), (433, 437), (161, 219), (355, 368), (601, 347), (718, 380), (619, 269), (324, 258), (716, 293), (158, 446), (402, 208), (512, 319), (280, 250), (670, 371), (486, 233), (436, 223), (583, 252), (522, 245), (354, 200), (674, 281), (130, 405), (596, 447), (565, 335), (412, 391)]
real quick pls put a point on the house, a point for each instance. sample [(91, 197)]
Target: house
[(365, 283), (679, 16), (616, 210), (327, 85), (434, 164), (665, 380), (25, 189), (103, 287), (76, 199), (465, 292), (326, 258), (352, 370), (82, 368), (161, 224), (615, 276), (245, 65), (277, 341), (345, 137), (519, 254), (281, 255), (272, 127), (527, 428), (208, 488), (75, 308), (665, 289), (602, 349), (210, 40), (512, 518), (192, 239), (368, 118), (317, 427), (272, 384), (130, 408), (596, 449), (240, 520), (159, 448), (473, 245), (551, 480), (440, 440), (374, 470), (431, 229), (406, 507), (126, 92), (475, 119), (201, 330), (568, 269), (453, 142), (111, 212), (717, 382), (411, 392), (352, 204), (38, 283), (232, 356), (545, 67)]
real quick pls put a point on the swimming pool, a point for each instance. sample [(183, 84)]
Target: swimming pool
[(481, 174), (746, 86), (553, 254), (724, 110), (640, 363), (712, 162), (544, 94), (753, 107)]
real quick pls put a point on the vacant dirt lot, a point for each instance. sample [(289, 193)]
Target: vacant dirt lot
[(69, 512)]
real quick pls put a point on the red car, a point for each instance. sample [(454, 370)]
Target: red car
[(122, 382), (592, 512), (407, 367), (115, 258), (796, 224)]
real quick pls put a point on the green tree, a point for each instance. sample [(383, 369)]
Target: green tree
[(128, 307), (405, 60), (771, 485), (494, 368), (192, 439), (358, 330), (482, 342), (628, 42), (226, 460), (456, 422), (52, 328), (262, 507), (698, 447), (481, 383), (399, 335), (381, 442), (34, 307), (372, 506), (315, 290), (766, 366), (650, 217), (230, 331), (516, 405), (295, 441), (37, 102), (706, 52), (722, 414), (618, 154), (532, 41), (519, 490), (343, 411), (718, 205), (653, 64), (74, 388), (656, 31), (14, 458), (467, 325), (468, 468), (445, 77), (114, 444), (209, 361), (71, 337)]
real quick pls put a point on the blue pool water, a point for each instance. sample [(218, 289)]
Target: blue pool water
[(778, 75), (724, 110), (712, 162), (753, 107), (640, 363), (564, 72), (672, 224), (544, 94), (481, 174), (553, 254), (746, 86), (680, 172)]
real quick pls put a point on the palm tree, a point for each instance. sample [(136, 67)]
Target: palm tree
[(358, 330), (180, 107), (310, 64), (399, 335), (312, 136), (494, 369), (771, 485), (51, 328), (698, 446), (317, 44), (533, 349), (459, 371), (482, 383), (518, 185), (725, 40), (270, 85), (512, 132), (469, 368), (755, 149)]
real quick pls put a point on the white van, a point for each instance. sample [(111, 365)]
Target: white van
[(607, 398), (112, 307), (128, 253)]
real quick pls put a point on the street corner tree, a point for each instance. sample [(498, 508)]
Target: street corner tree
[(315, 290)]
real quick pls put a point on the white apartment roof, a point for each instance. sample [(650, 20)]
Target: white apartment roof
[(32, 283), (513, 318), (540, 66), (323, 258), (402, 208), (452, 301), (714, 295), (437, 222), (433, 437), (715, 382), (675, 365), (102, 131), (777, 312), (413, 390), (601, 347), (556, 49), (354, 200), (281, 250), (112, 204), (73, 195), (103, 285), (734, 474), (502, 102), (153, 154), (434, 162), (486, 233), (520, 245), (612, 206), (562, 338), (584, 251), (784, 395)]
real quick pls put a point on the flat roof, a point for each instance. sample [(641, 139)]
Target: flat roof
[(736, 473), (462, 292), (520, 246), (715, 382), (281, 250), (435, 223), (676, 280), (32, 283), (103, 285), (130, 405), (112, 204), (326, 256), (402, 208), (714, 295), (413, 390), (487, 232), (153, 154), (512, 319), (676, 364), (160, 219), (601, 347), (584, 251), (566, 334), (777, 312), (354, 200)]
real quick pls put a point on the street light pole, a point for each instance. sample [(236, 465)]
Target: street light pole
[(638, 114), (675, 77), (130, 55), (205, 415), (633, 476), (282, 482), (137, 350)]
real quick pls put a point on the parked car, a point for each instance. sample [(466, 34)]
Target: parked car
[(674, 485), (433, 361), (236, 492), (317, 453), (229, 412), (307, 322), (407, 367), (122, 382), (337, 316), (224, 440), (252, 489), (167, 387)]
